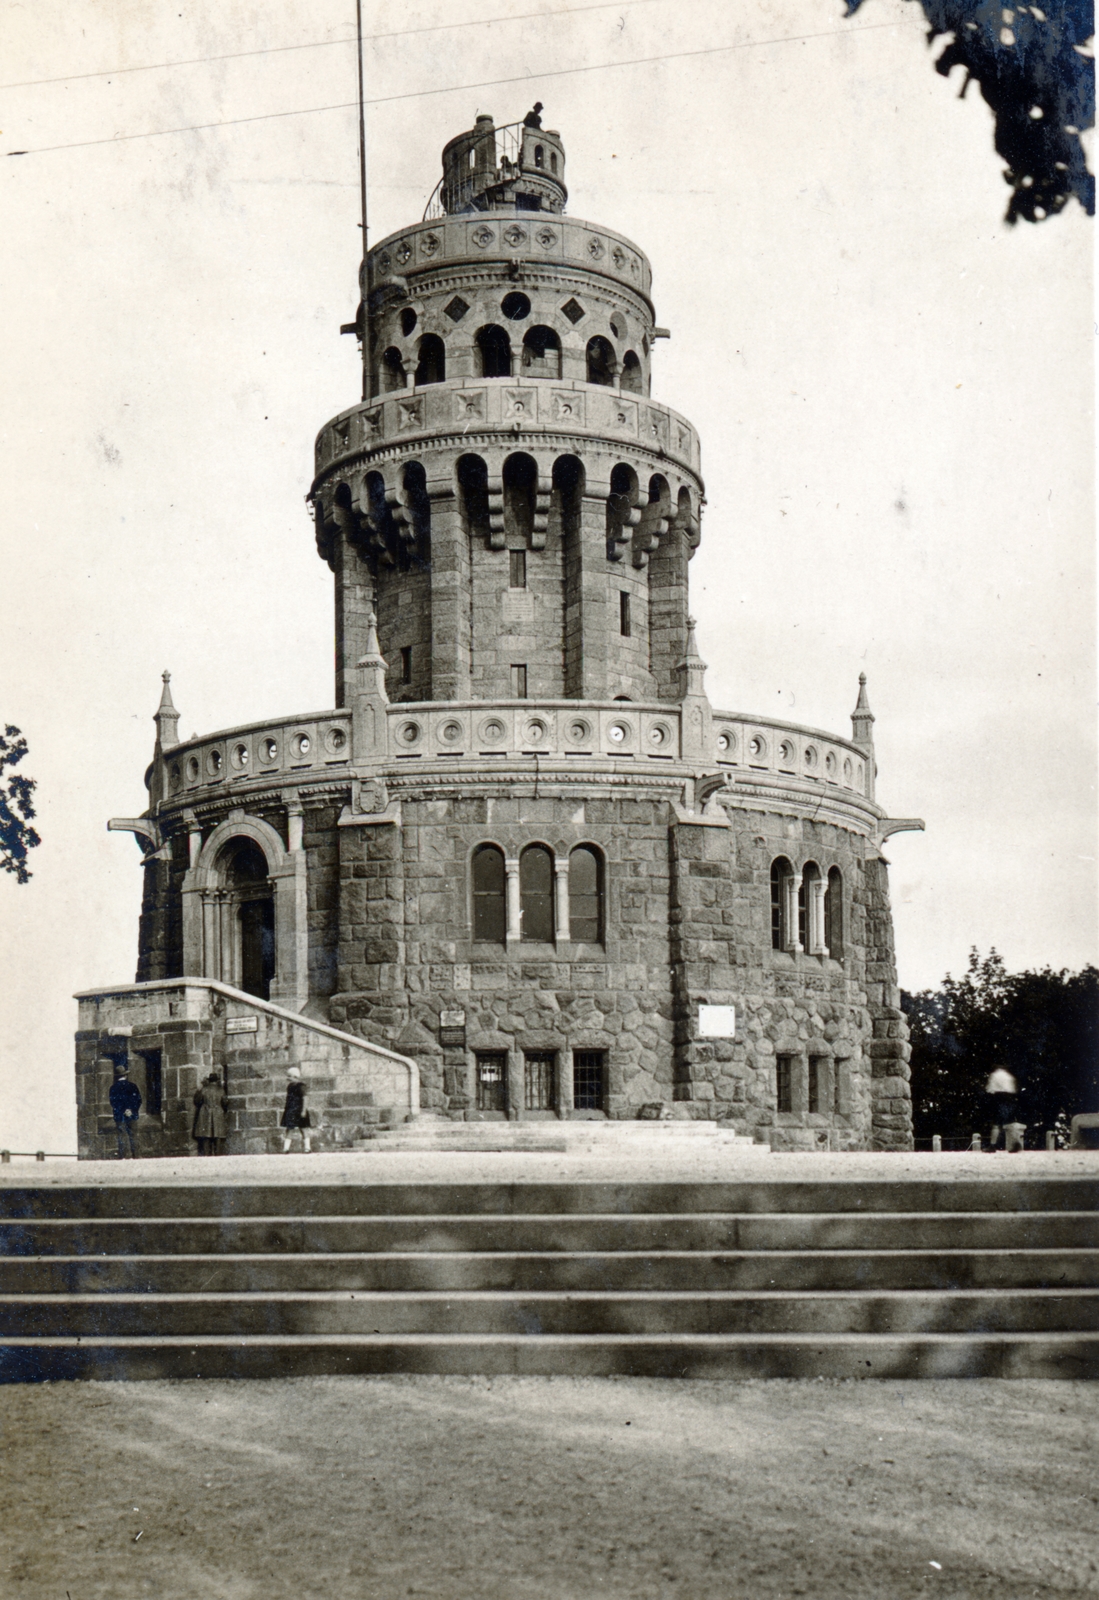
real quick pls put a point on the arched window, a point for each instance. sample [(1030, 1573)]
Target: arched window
[(811, 909), (245, 875), (431, 365), (553, 161), (495, 349), (833, 914), (781, 873), (393, 373), (622, 512), (539, 156), (489, 895), (408, 320), (473, 494), (536, 893), (541, 353), (633, 380), (601, 361), (586, 895), (520, 479), (418, 502)]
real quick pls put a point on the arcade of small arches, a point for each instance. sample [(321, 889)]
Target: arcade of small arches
[(807, 909), (495, 352), (538, 896), (389, 524)]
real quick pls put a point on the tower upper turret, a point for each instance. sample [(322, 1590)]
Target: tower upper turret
[(520, 167)]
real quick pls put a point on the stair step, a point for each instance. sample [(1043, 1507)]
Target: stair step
[(755, 1355), (577, 1271), (539, 1314), (703, 1231)]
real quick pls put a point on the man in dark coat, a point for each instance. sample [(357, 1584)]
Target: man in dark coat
[(125, 1100)]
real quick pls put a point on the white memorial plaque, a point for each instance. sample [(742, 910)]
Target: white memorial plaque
[(242, 1024), (716, 1022)]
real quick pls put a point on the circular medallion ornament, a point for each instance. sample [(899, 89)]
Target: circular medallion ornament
[(240, 757), (270, 750), (450, 732), (482, 237), (660, 736), (810, 755), (830, 762), (757, 747), (385, 261), (409, 733), (546, 238), (213, 763), (492, 731), (619, 733), (429, 244), (726, 743), (515, 235), (302, 745), (535, 732), (595, 249), (578, 731), (619, 257), (335, 741), (404, 252)]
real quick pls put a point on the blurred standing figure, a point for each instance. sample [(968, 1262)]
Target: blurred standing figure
[(1001, 1090), (211, 1125), (294, 1114), (125, 1098)]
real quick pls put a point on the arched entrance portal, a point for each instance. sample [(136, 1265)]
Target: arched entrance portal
[(253, 903)]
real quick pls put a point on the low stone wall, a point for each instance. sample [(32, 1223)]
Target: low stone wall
[(173, 1033)]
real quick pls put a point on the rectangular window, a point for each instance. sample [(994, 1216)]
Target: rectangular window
[(406, 664), (154, 1083), (839, 1071), (492, 1080), (517, 569), (587, 1080), (538, 1080), (519, 682), (818, 1067), (624, 614), (784, 1083)]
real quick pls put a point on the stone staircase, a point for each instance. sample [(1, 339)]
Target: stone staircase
[(908, 1278)]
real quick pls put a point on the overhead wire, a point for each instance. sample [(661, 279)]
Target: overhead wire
[(325, 44), (455, 88)]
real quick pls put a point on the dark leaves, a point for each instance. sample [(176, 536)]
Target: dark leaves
[(17, 837)]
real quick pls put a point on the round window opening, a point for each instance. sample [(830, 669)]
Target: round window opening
[(579, 731), (336, 739), (270, 750), (213, 761), (515, 306), (192, 767), (659, 735), (619, 732), (177, 776), (240, 756), (830, 762), (303, 744), (492, 731), (786, 751), (756, 747), (409, 732), (535, 732), (450, 732), (810, 757), (724, 742)]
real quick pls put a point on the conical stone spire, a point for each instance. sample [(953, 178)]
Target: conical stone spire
[(167, 717), (697, 714), (862, 719)]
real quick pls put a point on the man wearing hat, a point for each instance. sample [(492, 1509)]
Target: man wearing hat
[(125, 1098)]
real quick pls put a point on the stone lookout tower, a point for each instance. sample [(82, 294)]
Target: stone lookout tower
[(523, 852)]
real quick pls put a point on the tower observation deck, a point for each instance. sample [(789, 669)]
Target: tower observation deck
[(523, 850)]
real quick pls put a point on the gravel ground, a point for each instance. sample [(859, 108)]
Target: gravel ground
[(548, 1489)]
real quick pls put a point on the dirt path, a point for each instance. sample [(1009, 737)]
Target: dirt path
[(548, 1489)]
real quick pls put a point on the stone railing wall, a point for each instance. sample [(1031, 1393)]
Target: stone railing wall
[(746, 744), (291, 748)]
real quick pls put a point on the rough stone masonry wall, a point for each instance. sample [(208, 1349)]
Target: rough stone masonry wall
[(797, 1005), (407, 952), (889, 1050)]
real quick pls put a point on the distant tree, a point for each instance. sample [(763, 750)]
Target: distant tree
[(1035, 73), (17, 837), (1043, 1026)]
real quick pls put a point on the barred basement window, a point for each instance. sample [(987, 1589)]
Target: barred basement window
[(492, 1080), (538, 1080), (587, 1080), (489, 902), (784, 1083), (818, 1067)]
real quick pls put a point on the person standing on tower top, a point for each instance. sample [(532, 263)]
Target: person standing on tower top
[(533, 118)]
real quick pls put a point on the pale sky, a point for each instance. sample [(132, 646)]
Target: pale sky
[(893, 391)]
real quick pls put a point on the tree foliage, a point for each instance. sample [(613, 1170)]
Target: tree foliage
[(1042, 1026), (17, 837), (1035, 73)]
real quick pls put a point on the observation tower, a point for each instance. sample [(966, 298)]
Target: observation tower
[(522, 853)]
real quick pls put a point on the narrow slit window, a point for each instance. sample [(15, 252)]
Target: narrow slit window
[(784, 1083), (624, 614), (406, 664), (519, 681), (517, 569), (538, 1080), (818, 1067), (154, 1082)]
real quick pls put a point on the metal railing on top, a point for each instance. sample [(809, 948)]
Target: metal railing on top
[(447, 198)]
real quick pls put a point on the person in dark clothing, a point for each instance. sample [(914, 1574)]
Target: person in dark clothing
[(125, 1098), (211, 1125), (294, 1114)]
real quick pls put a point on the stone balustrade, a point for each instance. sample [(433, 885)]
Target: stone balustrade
[(480, 732), (462, 406)]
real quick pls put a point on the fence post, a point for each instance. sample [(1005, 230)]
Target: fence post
[(936, 1142), (5, 1157), (975, 1142), (1051, 1139), (40, 1155)]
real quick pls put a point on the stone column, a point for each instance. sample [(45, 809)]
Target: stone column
[(561, 902), (514, 903), (563, 1085), (790, 886), (294, 821), (814, 914)]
